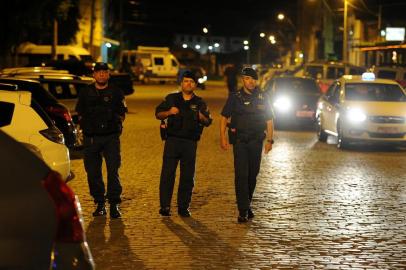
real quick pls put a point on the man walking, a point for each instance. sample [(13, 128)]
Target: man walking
[(248, 114), (186, 115), (101, 108)]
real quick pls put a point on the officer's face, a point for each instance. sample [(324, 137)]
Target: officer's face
[(249, 82), (188, 85), (101, 76)]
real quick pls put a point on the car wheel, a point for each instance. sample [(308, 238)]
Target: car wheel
[(321, 134), (342, 142)]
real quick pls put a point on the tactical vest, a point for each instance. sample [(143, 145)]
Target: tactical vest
[(99, 117), (248, 118), (186, 123)]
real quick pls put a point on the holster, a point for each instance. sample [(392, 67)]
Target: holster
[(163, 130)]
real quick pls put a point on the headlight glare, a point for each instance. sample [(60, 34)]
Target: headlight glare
[(282, 104), (356, 116)]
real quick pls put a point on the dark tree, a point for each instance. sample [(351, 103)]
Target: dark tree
[(32, 20)]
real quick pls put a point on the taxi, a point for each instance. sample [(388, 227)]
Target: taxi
[(362, 109)]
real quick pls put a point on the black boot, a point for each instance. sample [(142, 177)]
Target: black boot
[(115, 211), (165, 212), (100, 210), (184, 212), (242, 217), (250, 214)]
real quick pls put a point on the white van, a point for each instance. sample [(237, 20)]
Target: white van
[(150, 64), (34, 55)]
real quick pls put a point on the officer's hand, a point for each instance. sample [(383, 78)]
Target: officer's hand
[(268, 147), (224, 144), (173, 110)]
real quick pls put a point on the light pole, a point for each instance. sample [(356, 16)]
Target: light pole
[(345, 34)]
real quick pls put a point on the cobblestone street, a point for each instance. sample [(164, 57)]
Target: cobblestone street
[(316, 207)]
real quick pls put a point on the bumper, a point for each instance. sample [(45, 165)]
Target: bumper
[(73, 256), (376, 133)]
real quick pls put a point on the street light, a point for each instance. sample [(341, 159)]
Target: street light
[(205, 30), (281, 16), (262, 35)]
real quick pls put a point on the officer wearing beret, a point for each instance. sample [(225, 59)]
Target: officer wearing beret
[(249, 118), (186, 115), (101, 108)]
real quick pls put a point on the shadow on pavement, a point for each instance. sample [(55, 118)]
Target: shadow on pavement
[(207, 250), (112, 252)]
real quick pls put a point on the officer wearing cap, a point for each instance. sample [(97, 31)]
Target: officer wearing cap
[(101, 108), (249, 118), (186, 115)]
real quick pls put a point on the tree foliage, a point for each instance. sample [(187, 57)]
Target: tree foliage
[(32, 20)]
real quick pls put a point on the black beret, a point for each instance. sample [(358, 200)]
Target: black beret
[(100, 66), (189, 74), (247, 71)]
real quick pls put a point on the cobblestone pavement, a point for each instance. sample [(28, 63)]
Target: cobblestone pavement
[(316, 207)]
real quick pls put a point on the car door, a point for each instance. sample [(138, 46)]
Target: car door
[(331, 107)]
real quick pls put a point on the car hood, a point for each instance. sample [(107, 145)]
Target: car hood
[(379, 108)]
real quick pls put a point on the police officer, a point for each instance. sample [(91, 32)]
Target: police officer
[(101, 109), (249, 118), (186, 115)]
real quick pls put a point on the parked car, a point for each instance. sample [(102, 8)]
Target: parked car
[(326, 72), (293, 99), (24, 120), (392, 73), (58, 112), (363, 109), (122, 80), (64, 87), (41, 221)]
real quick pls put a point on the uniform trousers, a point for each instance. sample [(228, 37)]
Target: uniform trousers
[(178, 150)]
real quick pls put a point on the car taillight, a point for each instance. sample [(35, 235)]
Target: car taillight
[(69, 228), (61, 111), (54, 134)]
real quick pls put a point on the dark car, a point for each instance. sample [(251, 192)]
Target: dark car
[(58, 112), (40, 217), (293, 99), (122, 80)]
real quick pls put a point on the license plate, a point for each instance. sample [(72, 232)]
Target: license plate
[(305, 114), (388, 130)]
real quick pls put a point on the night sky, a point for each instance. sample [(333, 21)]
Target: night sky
[(158, 20)]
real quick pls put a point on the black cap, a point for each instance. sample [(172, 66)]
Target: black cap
[(189, 74), (247, 71), (100, 66)]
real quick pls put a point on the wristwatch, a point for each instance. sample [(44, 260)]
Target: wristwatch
[(270, 141)]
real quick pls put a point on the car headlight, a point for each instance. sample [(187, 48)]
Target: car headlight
[(202, 80), (356, 115), (282, 104)]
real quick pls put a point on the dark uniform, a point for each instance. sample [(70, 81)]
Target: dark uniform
[(183, 132), (102, 112), (249, 115)]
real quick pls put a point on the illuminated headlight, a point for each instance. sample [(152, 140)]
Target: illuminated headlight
[(202, 80), (282, 104), (356, 115)]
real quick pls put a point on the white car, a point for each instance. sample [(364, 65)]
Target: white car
[(363, 109), (40, 217), (24, 120)]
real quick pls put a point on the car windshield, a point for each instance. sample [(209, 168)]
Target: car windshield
[(312, 71), (297, 86), (374, 92)]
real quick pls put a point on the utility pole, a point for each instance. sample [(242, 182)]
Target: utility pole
[(92, 19), (54, 41), (345, 32)]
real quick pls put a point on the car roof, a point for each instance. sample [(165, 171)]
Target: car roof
[(358, 79)]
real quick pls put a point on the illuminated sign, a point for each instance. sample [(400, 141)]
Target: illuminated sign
[(395, 33)]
